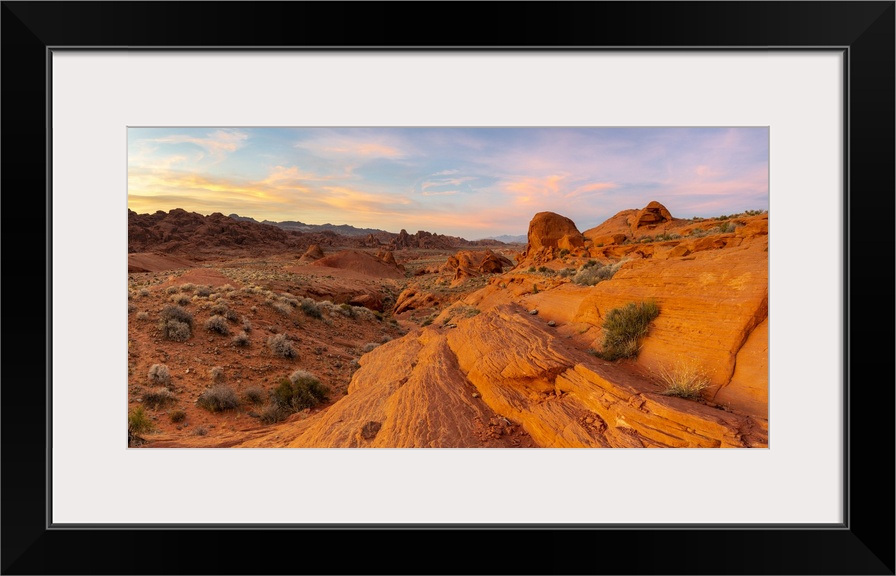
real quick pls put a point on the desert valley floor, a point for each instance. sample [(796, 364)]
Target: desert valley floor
[(244, 334)]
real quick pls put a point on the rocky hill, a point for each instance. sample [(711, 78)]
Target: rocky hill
[(515, 363)]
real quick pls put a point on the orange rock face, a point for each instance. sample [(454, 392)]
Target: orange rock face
[(651, 215), (549, 232), (313, 253), (515, 368)]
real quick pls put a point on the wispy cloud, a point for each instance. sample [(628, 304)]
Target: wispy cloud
[(217, 144), (457, 181)]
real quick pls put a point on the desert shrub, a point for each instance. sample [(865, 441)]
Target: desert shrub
[(142, 315), (159, 375), (531, 269), (564, 252), (177, 416), (280, 345), (204, 291), (592, 275), (231, 316), (180, 299), (725, 227), (131, 308), (172, 290), (589, 264), (216, 373), (624, 327), (254, 395), (200, 431), (246, 324), (218, 398), (301, 390), (698, 233), (188, 287), (217, 324), (683, 379), (241, 339), (310, 308), (176, 323), (138, 421), (369, 347), (281, 307), (158, 398), (566, 272), (220, 308), (272, 413)]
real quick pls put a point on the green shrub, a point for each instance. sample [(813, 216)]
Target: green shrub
[(138, 421), (218, 399), (301, 390), (624, 327), (176, 323)]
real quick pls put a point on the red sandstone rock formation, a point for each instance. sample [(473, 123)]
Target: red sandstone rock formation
[(444, 385), (313, 253), (548, 234)]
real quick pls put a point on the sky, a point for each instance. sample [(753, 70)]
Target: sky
[(468, 182)]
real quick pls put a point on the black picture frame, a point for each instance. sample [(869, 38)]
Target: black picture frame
[(864, 544)]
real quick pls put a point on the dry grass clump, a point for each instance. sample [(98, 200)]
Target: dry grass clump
[(218, 398), (254, 395), (176, 323), (280, 345), (216, 373), (241, 339), (592, 274), (177, 416), (181, 299), (158, 398), (684, 379), (159, 375), (217, 324), (311, 308)]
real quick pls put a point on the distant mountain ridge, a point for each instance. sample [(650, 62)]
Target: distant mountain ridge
[(196, 236), (342, 229), (509, 239)]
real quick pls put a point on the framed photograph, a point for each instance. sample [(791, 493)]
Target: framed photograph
[(122, 88)]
